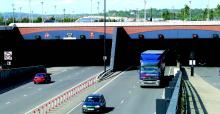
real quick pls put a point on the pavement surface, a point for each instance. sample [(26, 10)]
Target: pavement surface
[(29, 95), (203, 90), (123, 96)]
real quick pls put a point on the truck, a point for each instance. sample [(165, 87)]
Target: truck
[(152, 67)]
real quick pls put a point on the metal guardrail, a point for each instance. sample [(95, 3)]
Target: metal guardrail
[(105, 74), (173, 106), (170, 104), (55, 102)]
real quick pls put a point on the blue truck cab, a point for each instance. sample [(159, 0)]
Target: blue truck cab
[(152, 67)]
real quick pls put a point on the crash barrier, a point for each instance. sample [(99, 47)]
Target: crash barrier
[(55, 102), (169, 105), (14, 75), (105, 74)]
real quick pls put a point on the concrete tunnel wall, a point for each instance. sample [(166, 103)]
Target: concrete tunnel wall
[(78, 52)]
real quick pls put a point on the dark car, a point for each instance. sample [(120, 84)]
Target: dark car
[(94, 103), (42, 78)]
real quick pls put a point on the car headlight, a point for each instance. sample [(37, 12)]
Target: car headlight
[(97, 106), (84, 106)]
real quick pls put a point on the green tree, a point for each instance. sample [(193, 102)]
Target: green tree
[(1, 20), (184, 15), (166, 15), (38, 20), (217, 11), (25, 20), (205, 14), (211, 14)]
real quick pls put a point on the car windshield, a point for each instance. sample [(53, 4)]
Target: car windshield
[(40, 75), (92, 99), (146, 69)]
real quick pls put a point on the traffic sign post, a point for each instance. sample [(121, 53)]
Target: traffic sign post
[(192, 63), (8, 58)]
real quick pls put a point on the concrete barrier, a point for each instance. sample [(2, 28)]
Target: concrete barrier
[(169, 105), (15, 75), (58, 100)]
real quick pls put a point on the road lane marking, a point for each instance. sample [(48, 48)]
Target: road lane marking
[(129, 92), (122, 101), (7, 103), (25, 95), (39, 89), (134, 86), (61, 93), (169, 71), (96, 91), (163, 94)]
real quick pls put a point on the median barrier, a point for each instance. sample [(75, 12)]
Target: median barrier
[(58, 100), (169, 105), (13, 76)]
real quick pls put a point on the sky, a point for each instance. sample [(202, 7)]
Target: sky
[(84, 6)]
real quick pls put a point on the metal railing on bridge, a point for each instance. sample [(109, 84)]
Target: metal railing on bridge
[(170, 104)]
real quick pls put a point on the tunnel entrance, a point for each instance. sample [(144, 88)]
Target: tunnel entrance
[(89, 52)]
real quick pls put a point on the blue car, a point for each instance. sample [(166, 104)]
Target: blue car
[(94, 103)]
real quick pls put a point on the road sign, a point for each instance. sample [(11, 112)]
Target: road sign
[(8, 63), (192, 62), (104, 58), (7, 55)]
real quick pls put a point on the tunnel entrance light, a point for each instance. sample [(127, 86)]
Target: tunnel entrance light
[(101, 36), (215, 36), (37, 37), (141, 36), (83, 37), (161, 36), (195, 36)]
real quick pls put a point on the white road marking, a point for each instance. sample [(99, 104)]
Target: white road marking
[(58, 95), (169, 71), (163, 94), (134, 86), (39, 89), (122, 101), (25, 95), (96, 91), (7, 103), (130, 92)]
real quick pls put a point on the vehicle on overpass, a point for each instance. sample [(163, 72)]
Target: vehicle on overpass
[(42, 78), (94, 103), (152, 67)]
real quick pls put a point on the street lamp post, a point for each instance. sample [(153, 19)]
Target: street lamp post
[(91, 12), (13, 15), (98, 7), (104, 58), (64, 10), (73, 16), (29, 11), (208, 11), (32, 16), (190, 10), (20, 14), (42, 7), (145, 15), (55, 7)]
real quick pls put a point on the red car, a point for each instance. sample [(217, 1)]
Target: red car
[(42, 78)]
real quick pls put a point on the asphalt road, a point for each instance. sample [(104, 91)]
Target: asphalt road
[(210, 75), (28, 96), (124, 96)]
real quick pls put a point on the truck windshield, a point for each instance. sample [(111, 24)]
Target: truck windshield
[(150, 70)]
